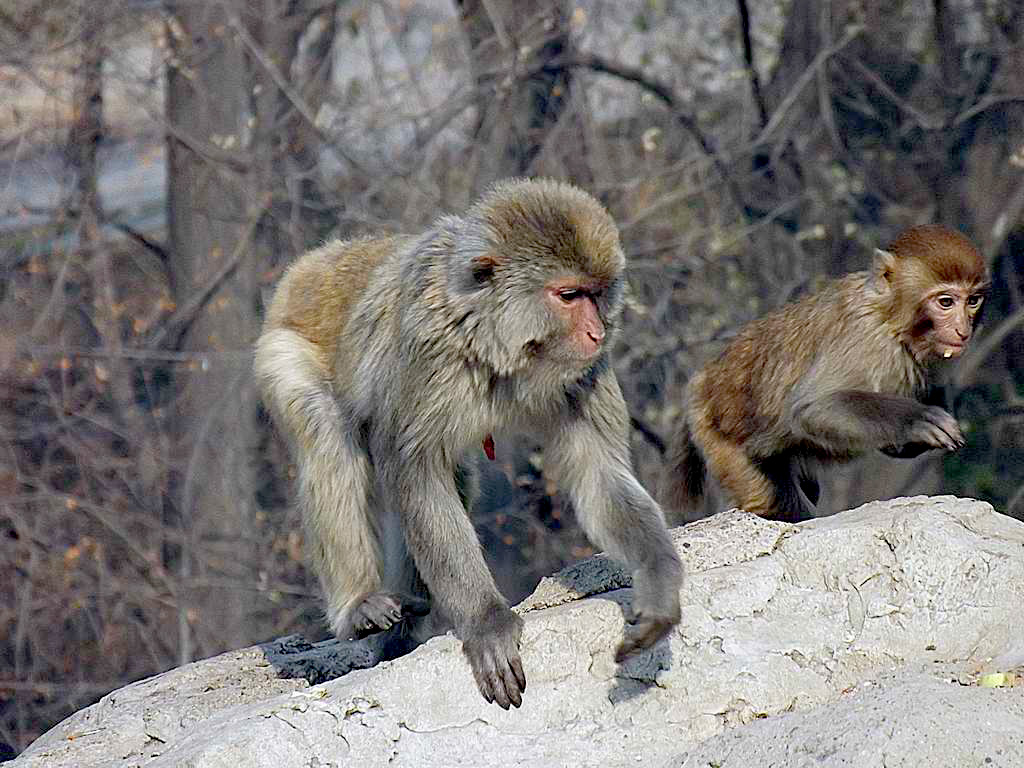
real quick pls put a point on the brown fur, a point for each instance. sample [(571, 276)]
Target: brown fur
[(826, 379)]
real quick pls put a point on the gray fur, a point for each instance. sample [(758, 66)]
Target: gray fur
[(450, 341)]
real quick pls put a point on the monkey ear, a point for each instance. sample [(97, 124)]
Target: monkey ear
[(473, 260), (883, 263), (470, 272)]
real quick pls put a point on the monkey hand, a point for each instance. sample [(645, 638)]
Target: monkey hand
[(379, 611), (655, 608), (933, 427), (491, 645)]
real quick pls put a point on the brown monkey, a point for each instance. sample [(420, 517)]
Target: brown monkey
[(388, 361), (831, 377)]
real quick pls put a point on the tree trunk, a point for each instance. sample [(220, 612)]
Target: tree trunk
[(210, 208), (241, 157)]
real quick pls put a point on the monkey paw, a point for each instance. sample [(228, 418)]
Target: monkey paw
[(655, 608), (492, 648), (379, 611), (937, 428), (641, 633)]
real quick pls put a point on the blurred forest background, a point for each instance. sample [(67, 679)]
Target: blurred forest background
[(162, 162)]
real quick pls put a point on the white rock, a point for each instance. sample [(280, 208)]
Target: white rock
[(854, 640)]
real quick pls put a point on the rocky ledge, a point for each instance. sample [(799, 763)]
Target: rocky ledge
[(892, 634)]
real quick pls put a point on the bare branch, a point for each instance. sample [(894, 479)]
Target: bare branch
[(748, 58), (819, 61), (150, 245), (928, 122), (169, 334), (293, 96), (667, 96), (648, 433)]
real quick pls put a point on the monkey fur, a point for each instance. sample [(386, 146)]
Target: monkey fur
[(390, 361), (830, 377)]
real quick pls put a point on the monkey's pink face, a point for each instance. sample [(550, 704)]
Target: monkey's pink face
[(575, 306), (948, 318)]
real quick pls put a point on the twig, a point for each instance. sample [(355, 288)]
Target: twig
[(664, 94), (748, 57), (648, 434), (150, 245), (823, 55), (498, 24), (170, 332), (237, 160), (296, 99), (127, 353), (990, 100), (927, 122)]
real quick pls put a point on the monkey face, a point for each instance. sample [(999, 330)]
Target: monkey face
[(936, 279), (947, 318), (574, 306), (564, 322)]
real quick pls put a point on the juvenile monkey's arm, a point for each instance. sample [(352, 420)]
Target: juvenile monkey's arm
[(854, 421)]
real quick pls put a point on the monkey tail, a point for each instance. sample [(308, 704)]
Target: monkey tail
[(685, 472)]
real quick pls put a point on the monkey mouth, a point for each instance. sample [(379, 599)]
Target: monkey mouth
[(952, 350)]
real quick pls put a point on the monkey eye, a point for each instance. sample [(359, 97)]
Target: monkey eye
[(946, 302), (569, 295), (974, 301)]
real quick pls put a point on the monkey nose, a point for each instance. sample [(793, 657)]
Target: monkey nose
[(596, 336)]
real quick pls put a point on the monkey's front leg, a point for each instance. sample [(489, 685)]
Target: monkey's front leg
[(447, 553), (623, 520), (590, 458), (857, 420)]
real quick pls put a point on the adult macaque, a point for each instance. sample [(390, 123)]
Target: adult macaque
[(829, 378), (388, 360)]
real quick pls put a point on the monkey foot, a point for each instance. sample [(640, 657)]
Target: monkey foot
[(380, 611), (641, 634)]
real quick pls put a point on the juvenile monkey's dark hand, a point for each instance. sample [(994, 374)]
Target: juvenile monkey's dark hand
[(936, 428), (655, 607), (379, 611), (492, 647)]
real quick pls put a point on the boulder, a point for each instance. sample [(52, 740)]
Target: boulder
[(863, 639)]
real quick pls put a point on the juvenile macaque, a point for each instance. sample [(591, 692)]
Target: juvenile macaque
[(388, 361), (829, 378)]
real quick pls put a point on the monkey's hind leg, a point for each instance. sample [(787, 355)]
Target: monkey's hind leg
[(335, 487), (369, 586), (744, 480), (796, 487)]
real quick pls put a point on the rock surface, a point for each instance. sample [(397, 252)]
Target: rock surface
[(853, 640)]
